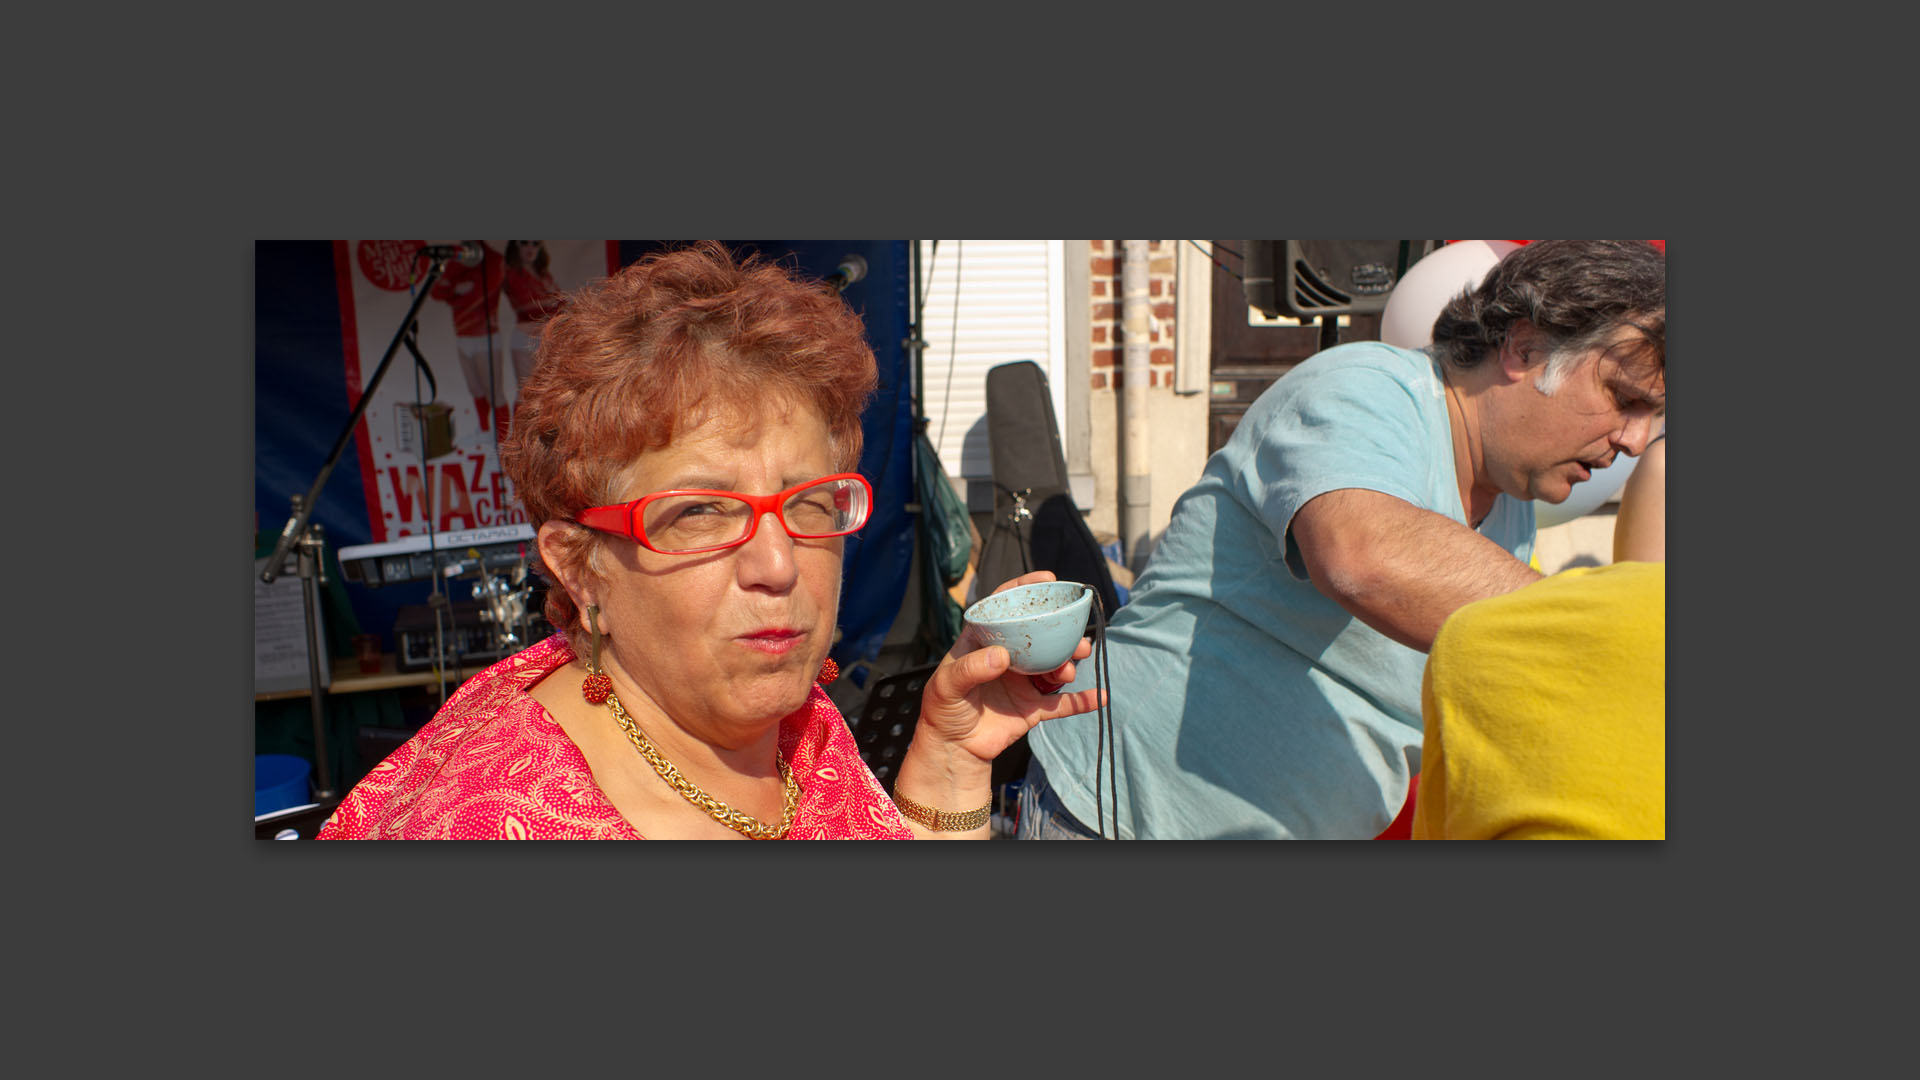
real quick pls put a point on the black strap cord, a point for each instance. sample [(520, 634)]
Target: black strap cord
[(444, 626), (1107, 747)]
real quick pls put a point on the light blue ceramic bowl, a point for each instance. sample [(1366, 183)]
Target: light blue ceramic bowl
[(1039, 625)]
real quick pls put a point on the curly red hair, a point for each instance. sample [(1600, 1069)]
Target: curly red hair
[(666, 344)]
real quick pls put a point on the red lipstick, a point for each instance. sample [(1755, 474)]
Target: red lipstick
[(773, 641)]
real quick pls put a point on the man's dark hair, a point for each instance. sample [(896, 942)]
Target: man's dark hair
[(1577, 293)]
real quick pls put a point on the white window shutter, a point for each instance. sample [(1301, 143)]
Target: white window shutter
[(1010, 308)]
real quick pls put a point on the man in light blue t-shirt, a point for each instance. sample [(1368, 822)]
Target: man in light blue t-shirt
[(1265, 674)]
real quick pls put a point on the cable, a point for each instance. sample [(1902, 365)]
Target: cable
[(445, 626), (1217, 262), (953, 340), (1107, 742), (426, 499)]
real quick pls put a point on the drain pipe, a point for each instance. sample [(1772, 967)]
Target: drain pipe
[(1136, 314)]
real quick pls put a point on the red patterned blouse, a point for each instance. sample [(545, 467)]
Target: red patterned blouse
[(493, 765)]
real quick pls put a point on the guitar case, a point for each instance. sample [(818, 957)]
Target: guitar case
[(1035, 523)]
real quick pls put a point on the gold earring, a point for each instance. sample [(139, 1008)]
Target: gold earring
[(597, 686)]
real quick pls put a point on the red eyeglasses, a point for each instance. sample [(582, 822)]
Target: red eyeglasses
[(691, 521)]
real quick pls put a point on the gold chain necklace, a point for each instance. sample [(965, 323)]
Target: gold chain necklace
[(746, 824)]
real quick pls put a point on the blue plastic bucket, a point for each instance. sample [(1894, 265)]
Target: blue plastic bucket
[(279, 781)]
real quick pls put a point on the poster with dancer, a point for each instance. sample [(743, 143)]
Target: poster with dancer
[(429, 442)]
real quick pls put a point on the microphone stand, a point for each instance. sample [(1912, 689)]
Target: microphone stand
[(312, 542), (312, 547)]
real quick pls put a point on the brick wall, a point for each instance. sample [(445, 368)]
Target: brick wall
[(1104, 272), (1175, 424)]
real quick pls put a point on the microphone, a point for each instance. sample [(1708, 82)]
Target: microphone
[(467, 254), (852, 269)]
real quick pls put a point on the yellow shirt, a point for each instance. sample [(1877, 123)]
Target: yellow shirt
[(1546, 712)]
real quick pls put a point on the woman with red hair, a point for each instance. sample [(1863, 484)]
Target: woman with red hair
[(684, 449)]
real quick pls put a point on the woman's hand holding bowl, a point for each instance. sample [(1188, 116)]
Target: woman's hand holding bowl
[(976, 704)]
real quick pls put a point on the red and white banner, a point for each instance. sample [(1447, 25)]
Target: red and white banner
[(477, 332)]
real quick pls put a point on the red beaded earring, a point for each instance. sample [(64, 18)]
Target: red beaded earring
[(829, 671), (597, 686)]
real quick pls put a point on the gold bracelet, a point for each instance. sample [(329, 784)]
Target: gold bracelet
[(941, 820)]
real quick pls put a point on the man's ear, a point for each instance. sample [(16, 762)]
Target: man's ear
[(1518, 354), (556, 548)]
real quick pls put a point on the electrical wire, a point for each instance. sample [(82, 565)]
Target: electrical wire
[(1217, 262), (492, 423), (1107, 740), (440, 602), (953, 341), (426, 492)]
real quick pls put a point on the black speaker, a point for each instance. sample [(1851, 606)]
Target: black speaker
[(1309, 278)]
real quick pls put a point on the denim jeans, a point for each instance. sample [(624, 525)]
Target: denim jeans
[(1041, 815)]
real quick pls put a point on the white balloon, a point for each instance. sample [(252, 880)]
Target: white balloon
[(1407, 320), (1588, 495)]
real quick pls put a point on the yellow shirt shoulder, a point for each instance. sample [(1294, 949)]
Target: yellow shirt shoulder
[(1545, 712)]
